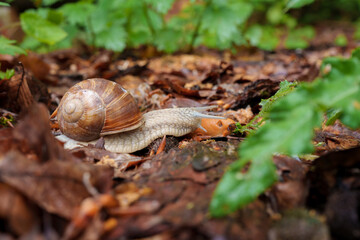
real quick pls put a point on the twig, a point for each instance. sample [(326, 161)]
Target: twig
[(22, 79), (197, 27), (148, 20)]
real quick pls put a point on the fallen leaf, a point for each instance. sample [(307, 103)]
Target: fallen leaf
[(57, 186)]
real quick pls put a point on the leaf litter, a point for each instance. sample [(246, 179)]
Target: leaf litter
[(90, 193)]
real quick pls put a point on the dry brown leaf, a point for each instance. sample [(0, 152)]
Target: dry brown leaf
[(56, 186), (19, 213)]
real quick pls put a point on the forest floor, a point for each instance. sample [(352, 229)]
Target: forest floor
[(90, 193)]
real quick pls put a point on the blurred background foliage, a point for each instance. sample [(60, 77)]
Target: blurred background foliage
[(171, 25)]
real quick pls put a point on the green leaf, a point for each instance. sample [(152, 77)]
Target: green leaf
[(77, 13), (4, 4), (99, 20), (332, 115), (357, 31), (55, 16), (168, 40), (41, 29), (341, 40), (161, 6), (289, 130), (298, 38), (219, 25), (356, 53), (155, 19), (342, 86), (8, 74), (264, 37), (275, 14), (297, 3), (72, 33), (30, 43), (138, 29), (49, 2), (7, 47), (266, 105), (281, 134), (285, 88), (112, 38), (237, 189)]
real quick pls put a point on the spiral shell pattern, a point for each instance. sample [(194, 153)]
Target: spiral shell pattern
[(97, 107)]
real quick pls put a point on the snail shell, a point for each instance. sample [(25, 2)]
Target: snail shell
[(97, 107)]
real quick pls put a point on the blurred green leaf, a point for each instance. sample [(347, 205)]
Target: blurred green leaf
[(156, 20), (41, 29), (168, 40), (266, 105), (289, 130), (113, 38), (357, 30), (7, 47), (275, 14), (237, 189), (77, 13), (264, 37), (341, 40), (220, 24), (341, 88), (54, 16), (4, 4), (49, 2), (332, 115), (289, 21), (68, 42), (299, 38), (285, 88), (8, 74), (161, 6), (138, 29), (31, 43), (297, 3)]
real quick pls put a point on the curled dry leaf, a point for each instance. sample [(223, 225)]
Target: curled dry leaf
[(19, 94), (43, 171), (175, 85)]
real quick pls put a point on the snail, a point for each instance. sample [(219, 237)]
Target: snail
[(98, 107)]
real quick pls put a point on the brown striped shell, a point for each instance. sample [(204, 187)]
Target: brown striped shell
[(97, 107)]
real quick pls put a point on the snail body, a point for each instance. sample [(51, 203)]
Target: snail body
[(147, 128)]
